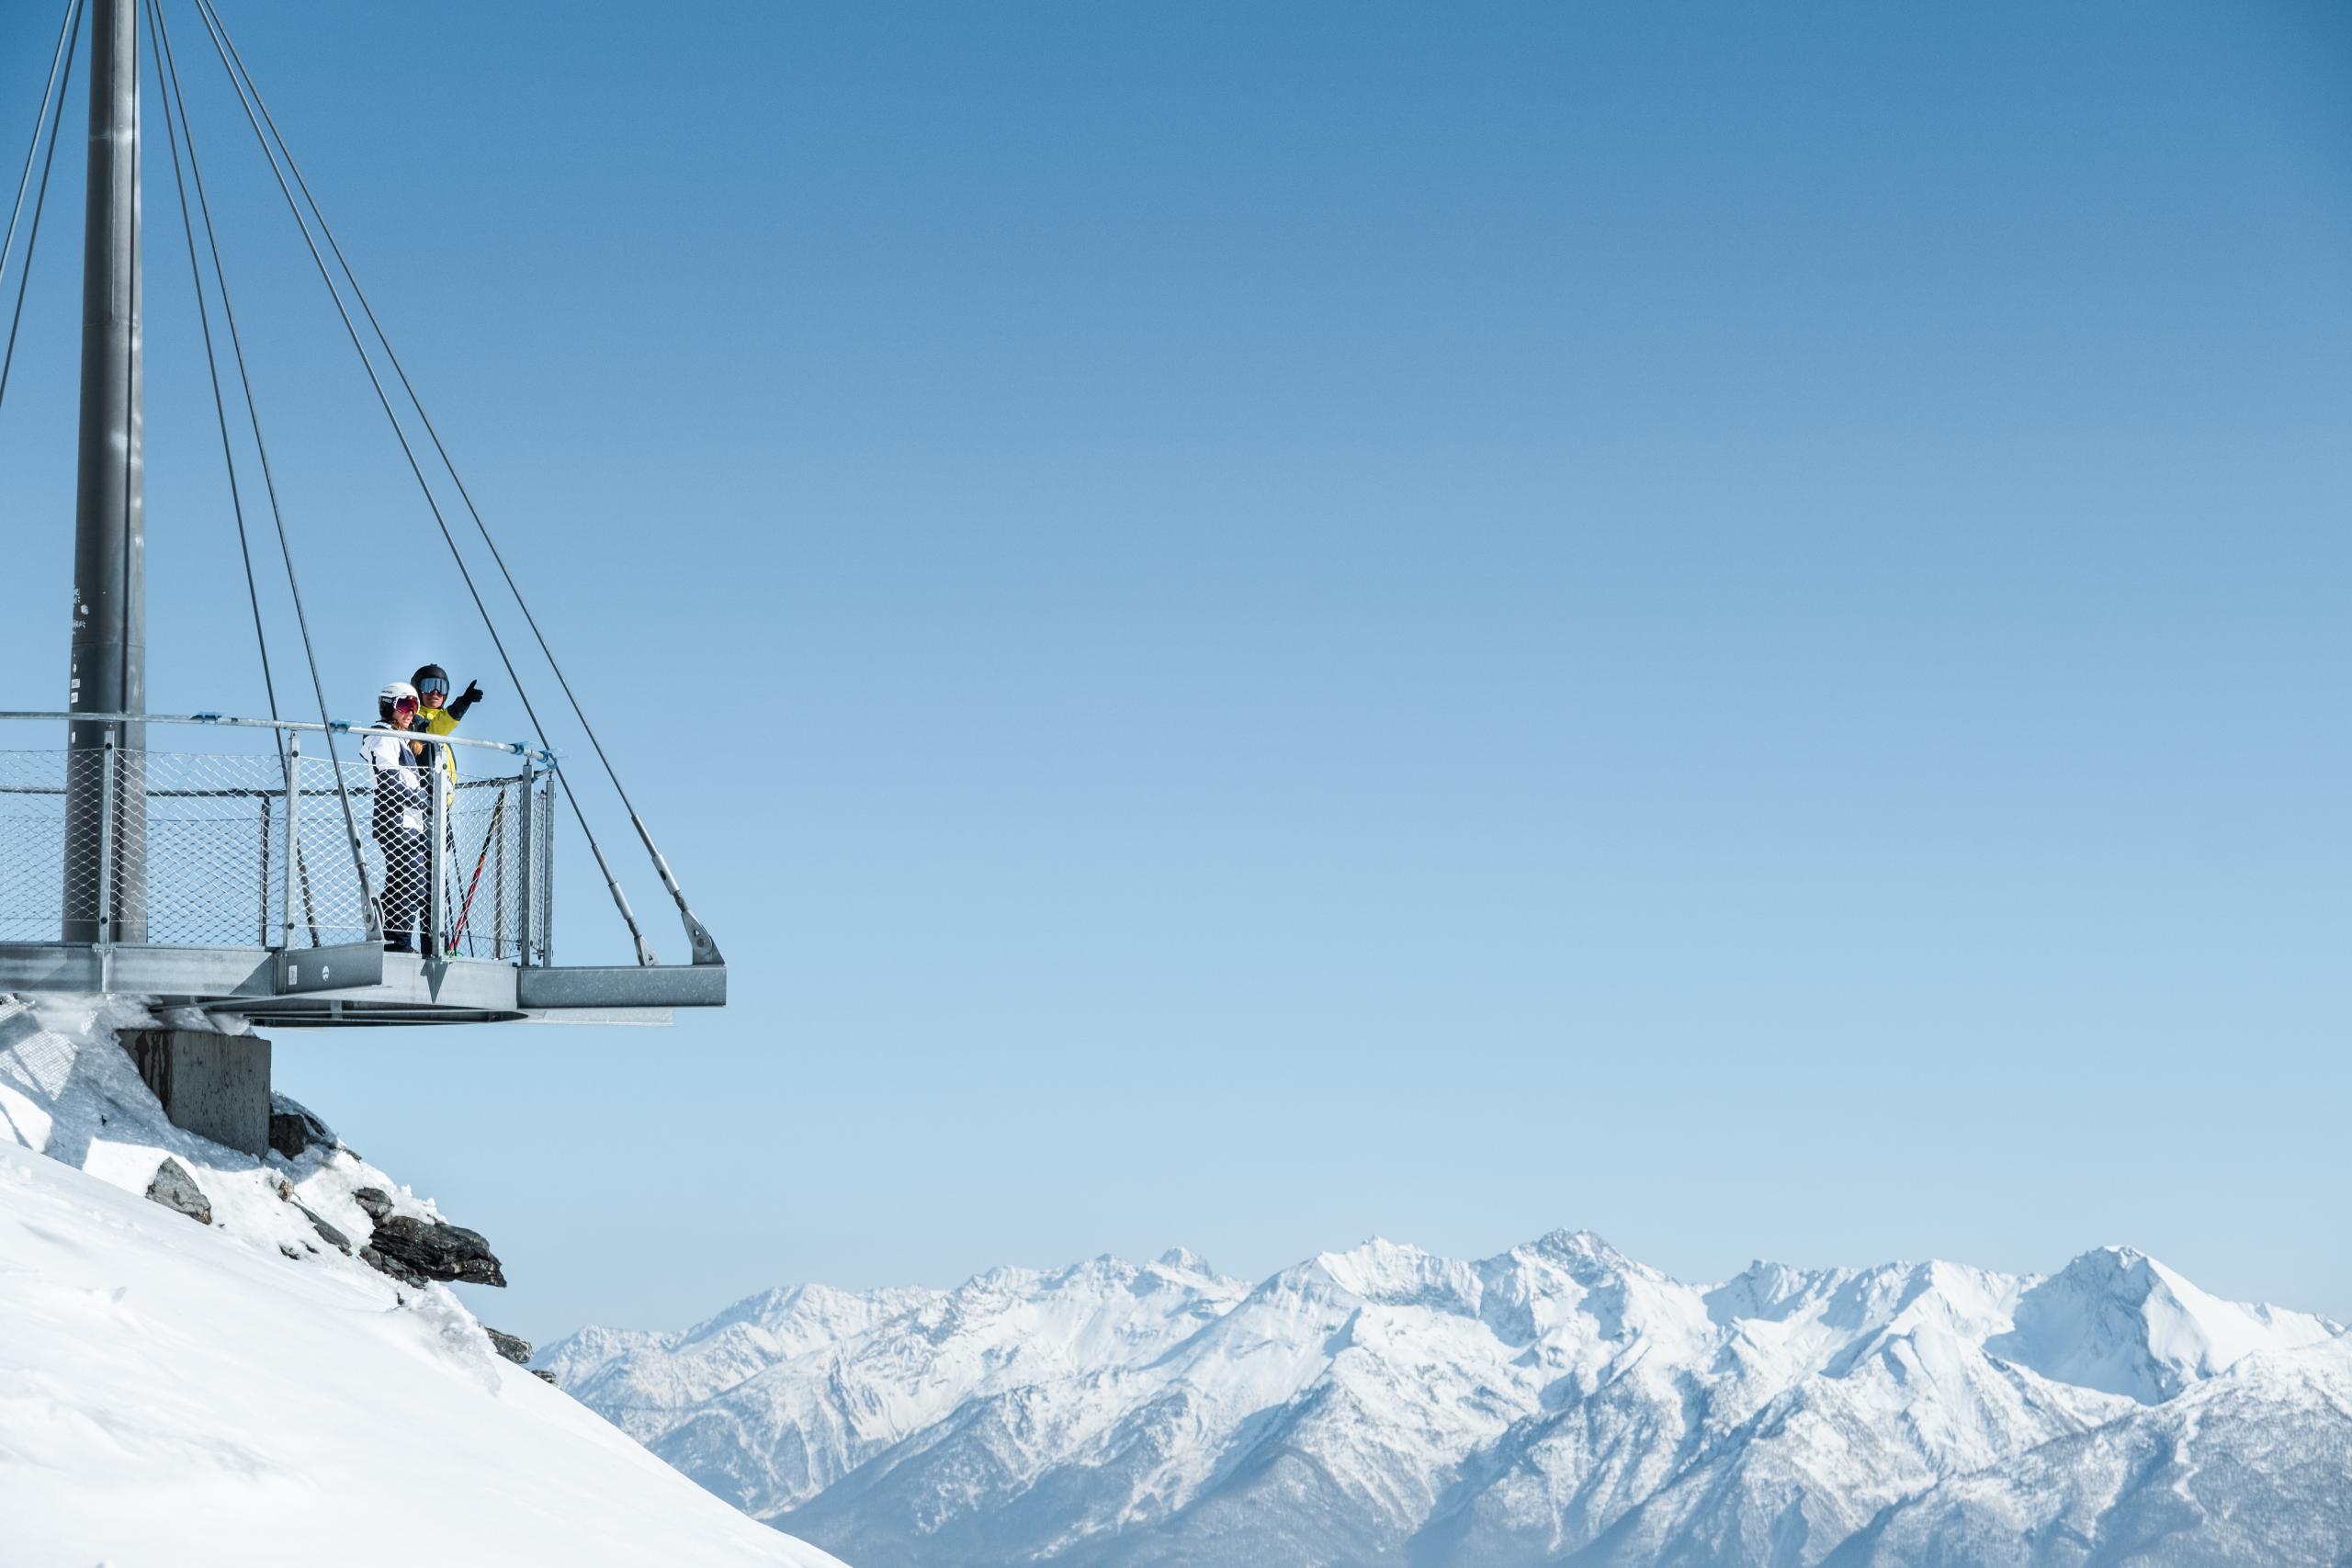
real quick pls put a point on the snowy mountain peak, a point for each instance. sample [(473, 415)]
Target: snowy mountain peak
[(2117, 1320), (1185, 1258), (1381, 1271), (1005, 1280), (1767, 1291), (1582, 1248)]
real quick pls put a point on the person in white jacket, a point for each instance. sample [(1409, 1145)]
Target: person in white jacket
[(402, 802)]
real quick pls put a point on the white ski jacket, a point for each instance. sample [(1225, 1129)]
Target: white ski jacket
[(400, 798)]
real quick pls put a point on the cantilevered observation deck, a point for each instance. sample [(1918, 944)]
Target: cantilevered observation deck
[(252, 888)]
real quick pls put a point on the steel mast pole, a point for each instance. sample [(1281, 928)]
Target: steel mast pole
[(109, 671)]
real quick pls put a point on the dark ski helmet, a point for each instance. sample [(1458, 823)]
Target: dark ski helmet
[(432, 678)]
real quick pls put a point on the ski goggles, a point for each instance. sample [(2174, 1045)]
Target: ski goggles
[(403, 705), (434, 689)]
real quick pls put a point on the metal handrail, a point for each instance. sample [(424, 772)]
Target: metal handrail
[(239, 791), (545, 758)]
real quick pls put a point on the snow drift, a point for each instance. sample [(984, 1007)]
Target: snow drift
[(242, 1391)]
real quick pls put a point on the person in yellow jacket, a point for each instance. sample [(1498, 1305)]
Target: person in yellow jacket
[(436, 715)]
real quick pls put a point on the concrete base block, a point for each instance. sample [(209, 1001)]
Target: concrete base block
[(216, 1085)]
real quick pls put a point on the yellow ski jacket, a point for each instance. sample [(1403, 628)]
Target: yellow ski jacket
[(444, 721)]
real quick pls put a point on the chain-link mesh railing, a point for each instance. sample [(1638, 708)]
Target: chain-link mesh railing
[(195, 846), (33, 846), (487, 910)]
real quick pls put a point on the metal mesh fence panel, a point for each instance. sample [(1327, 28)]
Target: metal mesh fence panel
[(215, 829), (216, 869), (484, 879), (33, 846), (330, 903)]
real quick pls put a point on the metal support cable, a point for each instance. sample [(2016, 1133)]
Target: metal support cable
[(212, 363), (48, 89), (269, 481), (218, 35), (704, 950), (40, 198)]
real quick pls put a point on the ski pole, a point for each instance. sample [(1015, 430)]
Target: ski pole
[(489, 835)]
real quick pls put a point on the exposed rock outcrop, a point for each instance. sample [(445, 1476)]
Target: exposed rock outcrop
[(175, 1190), (294, 1128), (413, 1250), (392, 1268), (516, 1351)]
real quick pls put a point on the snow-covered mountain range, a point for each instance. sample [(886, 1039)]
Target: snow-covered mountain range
[(1560, 1402)]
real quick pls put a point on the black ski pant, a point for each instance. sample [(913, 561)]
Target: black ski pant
[(405, 888)]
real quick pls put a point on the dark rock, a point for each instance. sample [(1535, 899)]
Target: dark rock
[(292, 1128), (548, 1378), (434, 1249), (516, 1351), (413, 1250), (401, 1271), (290, 1250), (327, 1233), (175, 1190)]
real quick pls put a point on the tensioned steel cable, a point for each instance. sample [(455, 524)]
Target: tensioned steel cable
[(285, 544), (48, 87), (40, 198), (217, 33), (704, 950), (212, 364)]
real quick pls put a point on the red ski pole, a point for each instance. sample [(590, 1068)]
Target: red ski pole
[(489, 837)]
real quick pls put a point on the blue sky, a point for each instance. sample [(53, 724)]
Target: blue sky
[(1260, 625)]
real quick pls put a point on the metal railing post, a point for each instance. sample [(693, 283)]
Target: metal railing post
[(293, 831), (261, 883), (525, 852), (106, 843), (436, 863), (547, 872), (498, 878)]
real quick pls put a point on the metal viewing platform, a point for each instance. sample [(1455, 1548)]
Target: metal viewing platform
[(252, 888)]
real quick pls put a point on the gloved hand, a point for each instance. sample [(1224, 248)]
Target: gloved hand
[(472, 693)]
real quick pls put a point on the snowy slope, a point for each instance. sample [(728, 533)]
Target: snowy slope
[(183, 1394), (1559, 1402)]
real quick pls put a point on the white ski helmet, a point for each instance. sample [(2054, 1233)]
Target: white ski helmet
[(394, 692)]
